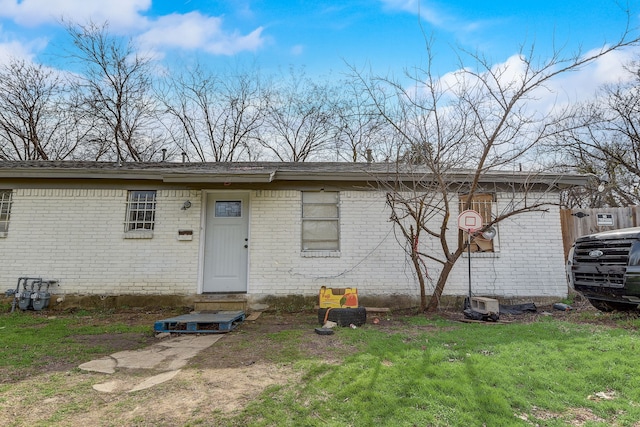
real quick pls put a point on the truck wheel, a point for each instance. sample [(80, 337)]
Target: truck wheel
[(608, 306), (343, 316)]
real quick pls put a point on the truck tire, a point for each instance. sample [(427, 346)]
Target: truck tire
[(343, 316)]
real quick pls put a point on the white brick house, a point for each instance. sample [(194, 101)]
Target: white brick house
[(193, 229)]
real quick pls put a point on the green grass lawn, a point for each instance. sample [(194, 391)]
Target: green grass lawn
[(413, 372), (32, 340), (548, 373)]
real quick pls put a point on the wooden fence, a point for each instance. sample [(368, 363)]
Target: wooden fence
[(579, 222)]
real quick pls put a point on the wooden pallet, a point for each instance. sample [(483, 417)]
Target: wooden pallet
[(214, 322)]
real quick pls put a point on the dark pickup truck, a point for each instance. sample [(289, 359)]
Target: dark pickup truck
[(605, 268)]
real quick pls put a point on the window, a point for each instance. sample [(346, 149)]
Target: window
[(483, 204), (228, 209), (141, 211), (5, 211), (320, 221)]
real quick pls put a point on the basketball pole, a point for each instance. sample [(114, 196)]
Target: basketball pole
[(469, 257)]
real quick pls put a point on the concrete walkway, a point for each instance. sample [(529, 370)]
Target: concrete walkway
[(163, 360)]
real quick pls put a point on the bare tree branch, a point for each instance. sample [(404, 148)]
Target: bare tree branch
[(453, 133), (116, 92)]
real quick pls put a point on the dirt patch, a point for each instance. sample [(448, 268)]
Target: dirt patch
[(112, 343), (577, 417), (194, 395), (262, 341)]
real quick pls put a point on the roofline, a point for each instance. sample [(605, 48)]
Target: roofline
[(265, 172)]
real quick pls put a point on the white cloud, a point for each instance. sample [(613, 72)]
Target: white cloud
[(191, 31), (583, 84), (120, 14), (297, 50), (574, 86), (13, 48), (417, 8), (406, 5), (553, 96), (608, 69), (194, 31)]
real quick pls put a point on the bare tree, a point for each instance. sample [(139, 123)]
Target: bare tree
[(298, 121), (115, 92), (216, 117), (34, 121), (459, 130), (604, 142), (360, 132)]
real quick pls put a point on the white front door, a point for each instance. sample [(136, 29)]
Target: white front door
[(226, 242)]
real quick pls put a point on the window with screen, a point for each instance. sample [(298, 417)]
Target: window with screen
[(320, 221)]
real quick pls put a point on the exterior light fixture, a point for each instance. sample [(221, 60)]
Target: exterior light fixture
[(602, 182), (489, 233)]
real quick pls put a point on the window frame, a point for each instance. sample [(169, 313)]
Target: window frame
[(140, 219), (6, 200), (484, 204), (307, 217)]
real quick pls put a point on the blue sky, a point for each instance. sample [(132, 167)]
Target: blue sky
[(322, 35)]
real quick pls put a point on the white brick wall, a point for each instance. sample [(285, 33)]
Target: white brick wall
[(529, 261), (530, 257), (370, 258), (76, 236)]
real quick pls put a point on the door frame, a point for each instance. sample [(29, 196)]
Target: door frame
[(203, 232)]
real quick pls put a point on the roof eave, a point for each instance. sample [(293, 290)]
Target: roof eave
[(218, 178), (77, 174), (273, 174)]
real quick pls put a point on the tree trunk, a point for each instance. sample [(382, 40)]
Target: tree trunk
[(415, 258), (434, 302)]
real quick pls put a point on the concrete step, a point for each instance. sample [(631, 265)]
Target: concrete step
[(220, 302)]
